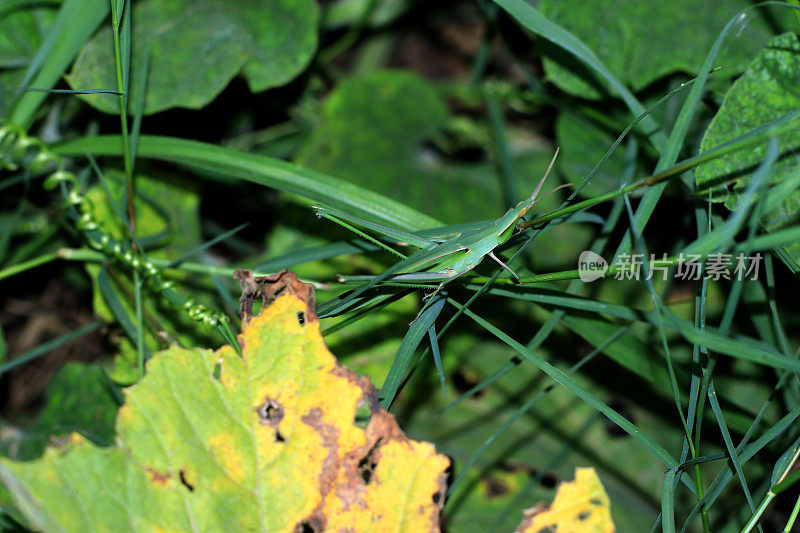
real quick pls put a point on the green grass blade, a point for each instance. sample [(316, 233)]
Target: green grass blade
[(206, 245), (263, 170), (437, 358), (531, 19), (741, 348), (527, 406), (726, 437), (581, 392), (745, 454), (408, 346), (45, 348), (118, 310), (375, 304), (678, 134), (74, 25), (399, 236)]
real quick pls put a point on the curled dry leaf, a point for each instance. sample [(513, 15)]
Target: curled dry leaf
[(271, 444)]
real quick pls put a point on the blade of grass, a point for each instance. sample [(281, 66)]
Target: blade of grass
[(745, 454), (75, 23), (47, 347), (413, 337), (262, 170), (534, 21), (118, 310), (437, 358), (578, 390), (680, 129), (528, 405), (206, 245)]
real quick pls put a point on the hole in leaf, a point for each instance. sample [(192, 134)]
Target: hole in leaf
[(549, 481), (301, 318), (217, 371), (185, 482), (312, 525), (595, 501), (368, 464), (437, 497), (584, 515), (463, 382), (270, 413), (495, 487), (363, 415)]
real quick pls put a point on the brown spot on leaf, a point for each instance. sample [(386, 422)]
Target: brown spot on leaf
[(158, 478)]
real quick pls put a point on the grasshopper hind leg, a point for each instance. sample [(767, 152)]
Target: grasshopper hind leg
[(505, 266)]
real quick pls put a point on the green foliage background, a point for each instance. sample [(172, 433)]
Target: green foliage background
[(427, 117)]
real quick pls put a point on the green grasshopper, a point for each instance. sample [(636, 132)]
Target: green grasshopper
[(441, 261), (446, 260)]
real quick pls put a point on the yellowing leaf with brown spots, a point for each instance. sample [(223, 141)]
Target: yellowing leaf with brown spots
[(580, 506), (272, 445)]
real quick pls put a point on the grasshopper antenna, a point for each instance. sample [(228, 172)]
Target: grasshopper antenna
[(547, 173)]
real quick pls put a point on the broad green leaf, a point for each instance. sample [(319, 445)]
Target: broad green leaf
[(21, 32), (580, 506), (197, 47), (767, 90), (270, 445), (372, 133), (641, 42)]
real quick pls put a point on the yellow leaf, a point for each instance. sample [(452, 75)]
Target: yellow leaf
[(580, 506), (269, 445)]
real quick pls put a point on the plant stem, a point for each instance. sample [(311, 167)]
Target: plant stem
[(123, 113), (27, 265)]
